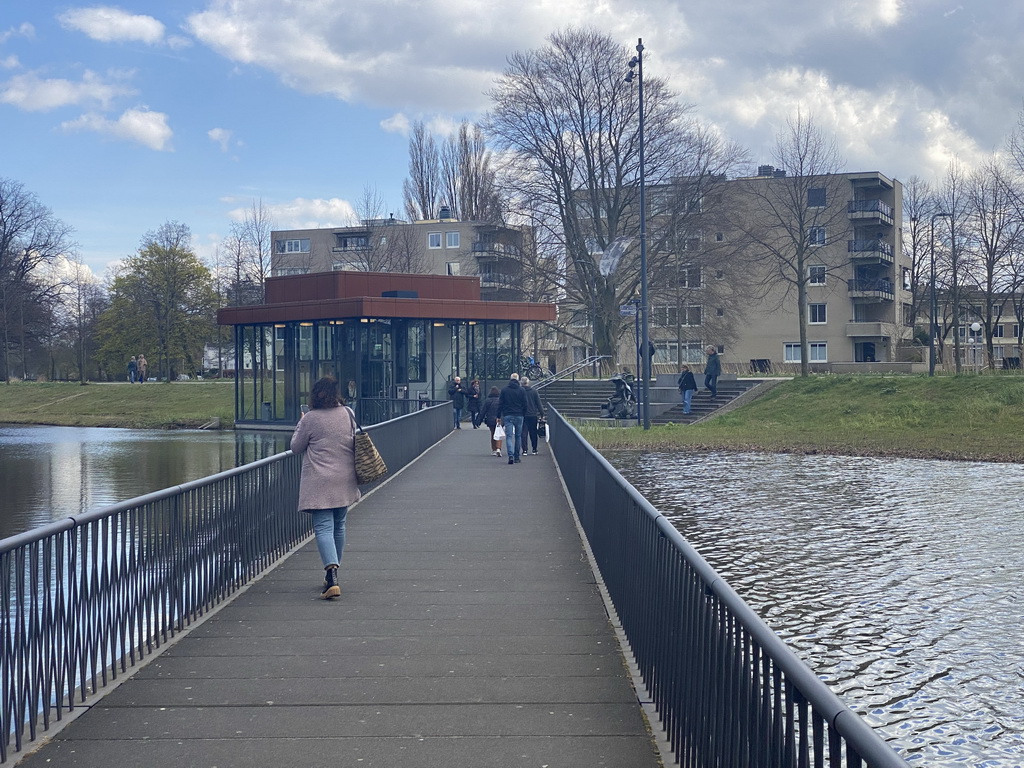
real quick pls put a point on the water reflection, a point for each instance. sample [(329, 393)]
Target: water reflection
[(47, 473), (897, 580)]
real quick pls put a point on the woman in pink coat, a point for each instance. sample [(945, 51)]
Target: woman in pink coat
[(326, 438)]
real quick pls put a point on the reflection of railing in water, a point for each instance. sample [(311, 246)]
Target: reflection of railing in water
[(84, 598), (727, 689)]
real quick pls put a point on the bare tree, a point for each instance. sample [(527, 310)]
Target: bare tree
[(30, 236), (953, 257), (568, 128), (422, 188), (791, 216), (469, 179), (391, 245), (919, 205), (252, 249)]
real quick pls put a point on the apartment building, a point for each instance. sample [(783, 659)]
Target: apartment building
[(443, 246)]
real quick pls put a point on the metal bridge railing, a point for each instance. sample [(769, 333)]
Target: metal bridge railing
[(88, 597), (728, 690)]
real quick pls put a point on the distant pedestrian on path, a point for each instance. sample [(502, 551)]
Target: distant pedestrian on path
[(489, 416), (712, 370), (133, 370), (327, 487), (473, 402), (687, 386), (534, 413), (512, 411), (143, 368), (457, 394)]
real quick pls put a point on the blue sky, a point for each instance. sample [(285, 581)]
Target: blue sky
[(122, 117)]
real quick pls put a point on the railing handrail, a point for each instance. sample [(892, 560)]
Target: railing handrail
[(593, 472), (566, 372)]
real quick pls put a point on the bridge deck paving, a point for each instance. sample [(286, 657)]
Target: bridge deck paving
[(469, 632)]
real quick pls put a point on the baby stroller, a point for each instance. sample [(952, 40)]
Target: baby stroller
[(621, 404)]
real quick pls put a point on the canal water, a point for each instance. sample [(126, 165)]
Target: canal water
[(898, 581), (47, 473)]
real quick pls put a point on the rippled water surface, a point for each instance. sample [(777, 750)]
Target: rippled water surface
[(897, 580)]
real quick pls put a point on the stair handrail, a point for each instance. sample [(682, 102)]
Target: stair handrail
[(570, 371)]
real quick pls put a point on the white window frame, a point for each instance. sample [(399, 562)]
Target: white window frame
[(434, 240), (818, 350), (294, 245), (816, 236), (813, 309), (815, 269), (452, 239), (452, 268)]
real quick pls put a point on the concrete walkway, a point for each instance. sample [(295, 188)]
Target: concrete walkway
[(469, 632)]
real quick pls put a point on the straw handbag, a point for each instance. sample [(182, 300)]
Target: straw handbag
[(370, 467)]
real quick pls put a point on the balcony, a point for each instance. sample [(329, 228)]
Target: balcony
[(869, 212), (865, 329), (497, 280), (879, 288), (874, 249)]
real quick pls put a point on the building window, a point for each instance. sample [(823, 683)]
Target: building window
[(816, 313), (291, 271), (452, 267), (451, 239), (816, 274), (669, 317), (906, 279), (353, 242), (690, 277), (997, 331), (720, 312), (818, 349), (433, 239), (664, 351), (816, 197), (815, 235), (719, 237), (298, 245)]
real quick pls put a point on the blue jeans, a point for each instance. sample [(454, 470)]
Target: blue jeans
[(687, 400), (711, 383), (513, 435), (329, 527), (457, 412)]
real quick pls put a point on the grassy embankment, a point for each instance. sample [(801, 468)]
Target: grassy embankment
[(179, 405), (951, 417), (977, 418)]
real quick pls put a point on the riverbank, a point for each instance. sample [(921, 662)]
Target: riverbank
[(971, 418), (178, 405)]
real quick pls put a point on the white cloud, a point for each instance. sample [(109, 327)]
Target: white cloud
[(9, 62), (302, 213), (221, 136), (139, 125), (397, 123), (108, 24), (34, 94), (22, 30)]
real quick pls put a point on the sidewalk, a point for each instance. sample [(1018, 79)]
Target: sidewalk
[(469, 632)]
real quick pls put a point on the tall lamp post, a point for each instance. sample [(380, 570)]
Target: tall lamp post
[(933, 329), (636, 68)]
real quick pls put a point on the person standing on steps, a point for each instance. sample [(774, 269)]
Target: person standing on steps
[(511, 412), (457, 394), (534, 412), (687, 386), (712, 370), (327, 485)]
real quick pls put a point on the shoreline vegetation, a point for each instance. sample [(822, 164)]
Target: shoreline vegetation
[(968, 417)]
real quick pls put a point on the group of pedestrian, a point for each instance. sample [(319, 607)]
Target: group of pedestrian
[(688, 385), (137, 369), (517, 408)]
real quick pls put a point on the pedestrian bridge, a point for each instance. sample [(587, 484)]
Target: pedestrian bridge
[(477, 626)]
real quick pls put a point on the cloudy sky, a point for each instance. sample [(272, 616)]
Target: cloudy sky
[(122, 117)]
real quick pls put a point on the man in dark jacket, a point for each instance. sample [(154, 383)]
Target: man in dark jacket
[(457, 394), (534, 412), (512, 410), (712, 370)]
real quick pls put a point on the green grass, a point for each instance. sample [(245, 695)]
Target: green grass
[(977, 418), (179, 405)]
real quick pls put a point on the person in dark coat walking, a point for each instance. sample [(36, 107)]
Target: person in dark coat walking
[(534, 412), (457, 394), (512, 411), (712, 370), (473, 402), (687, 386), (489, 416)]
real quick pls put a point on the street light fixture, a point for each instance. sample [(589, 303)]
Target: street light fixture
[(975, 341), (636, 68), (933, 329)]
